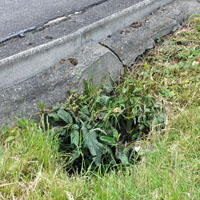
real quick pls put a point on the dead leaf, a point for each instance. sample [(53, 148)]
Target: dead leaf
[(62, 61), (116, 110)]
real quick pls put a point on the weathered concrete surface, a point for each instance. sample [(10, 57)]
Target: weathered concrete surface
[(34, 60), (137, 38), (93, 61)]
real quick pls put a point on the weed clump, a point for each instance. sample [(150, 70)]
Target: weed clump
[(98, 128)]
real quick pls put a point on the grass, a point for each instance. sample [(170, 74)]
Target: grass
[(32, 168)]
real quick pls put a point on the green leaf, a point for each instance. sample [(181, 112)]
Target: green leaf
[(85, 110), (54, 116), (86, 87), (75, 126), (123, 156), (75, 155), (10, 139), (147, 110), (124, 159), (108, 140), (74, 135), (56, 107), (60, 130), (166, 93), (103, 100), (116, 134), (91, 142), (136, 135), (111, 159), (65, 116), (63, 132), (1, 152), (146, 65), (159, 120), (83, 116), (41, 105)]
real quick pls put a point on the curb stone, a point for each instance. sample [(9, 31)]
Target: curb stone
[(51, 85), (94, 60), (37, 59), (133, 41)]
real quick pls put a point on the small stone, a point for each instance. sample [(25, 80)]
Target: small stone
[(62, 61), (48, 37), (29, 43), (195, 63), (127, 31), (73, 61)]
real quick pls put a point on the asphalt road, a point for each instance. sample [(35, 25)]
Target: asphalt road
[(19, 15), (16, 15)]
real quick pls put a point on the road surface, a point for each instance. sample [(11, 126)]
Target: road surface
[(17, 15)]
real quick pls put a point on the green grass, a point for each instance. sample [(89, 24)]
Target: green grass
[(32, 168)]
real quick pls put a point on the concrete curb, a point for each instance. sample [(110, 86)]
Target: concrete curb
[(35, 60), (50, 86), (94, 60)]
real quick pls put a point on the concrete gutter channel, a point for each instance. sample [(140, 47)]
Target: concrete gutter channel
[(44, 73)]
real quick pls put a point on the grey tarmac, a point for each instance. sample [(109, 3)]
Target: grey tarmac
[(25, 24)]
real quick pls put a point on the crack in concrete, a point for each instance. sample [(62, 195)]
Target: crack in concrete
[(110, 49)]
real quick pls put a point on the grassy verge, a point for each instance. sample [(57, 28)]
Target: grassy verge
[(32, 168)]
